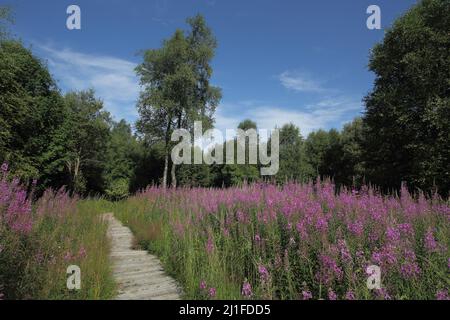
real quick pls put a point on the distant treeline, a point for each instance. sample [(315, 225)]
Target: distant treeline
[(70, 140)]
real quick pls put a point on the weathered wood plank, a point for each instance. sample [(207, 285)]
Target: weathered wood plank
[(139, 275)]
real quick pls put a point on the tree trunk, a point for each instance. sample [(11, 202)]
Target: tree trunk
[(76, 169), (166, 157), (174, 176), (166, 168), (174, 166)]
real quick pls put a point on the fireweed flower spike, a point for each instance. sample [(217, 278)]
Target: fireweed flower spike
[(306, 295), (332, 295), (430, 242), (350, 295), (263, 273), (246, 289), (209, 245), (82, 253), (442, 295)]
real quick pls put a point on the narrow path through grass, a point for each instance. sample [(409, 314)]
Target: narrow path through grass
[(138, 274)]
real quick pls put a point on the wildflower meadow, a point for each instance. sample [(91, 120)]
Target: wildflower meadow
[(257, 241), (40, 239), (220, 150), (297, 241)]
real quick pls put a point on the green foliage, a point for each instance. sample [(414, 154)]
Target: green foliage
[(247, 124), (316, 148), (195, 175), (56, 140), (31, 110), (176, 84), (85, 132), (408, 112), (118, 189), (236, 174), (120, 160), (149, 163), (351, 169), (336, 155), (293, 165)]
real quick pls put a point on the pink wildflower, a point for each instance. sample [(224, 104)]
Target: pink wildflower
[(383, 293), (442, 295), (263, 273), (306, 295), (430, 242), (247, 289), (67, 256), (210, 245), (393, 234), (332, 295), (350, 295), (322, 224), (82, 253)]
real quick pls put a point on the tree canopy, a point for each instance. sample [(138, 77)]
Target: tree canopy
[(407, 117), (176, 84)]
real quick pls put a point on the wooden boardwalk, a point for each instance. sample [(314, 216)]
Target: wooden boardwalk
[(139, 275)]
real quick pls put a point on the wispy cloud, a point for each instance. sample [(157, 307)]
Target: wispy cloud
[(326, 113), (301, 82), (112, 78), (115, 82)]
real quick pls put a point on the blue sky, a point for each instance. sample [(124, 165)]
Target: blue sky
[(278, 61)]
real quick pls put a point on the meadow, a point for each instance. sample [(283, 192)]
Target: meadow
[(40, 239), (297, 241), (257, 241)]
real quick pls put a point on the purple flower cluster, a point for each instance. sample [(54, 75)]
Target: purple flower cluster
[(442, 295), (308, 230), (306, 295), (15, 205), (430, 242), (246, 289), (209, 245), (332, 295), (209, 292), (263, 273)]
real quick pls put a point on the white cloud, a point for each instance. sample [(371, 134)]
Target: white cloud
[(300, 82), (113, 79), (115, 82), (324, 114)]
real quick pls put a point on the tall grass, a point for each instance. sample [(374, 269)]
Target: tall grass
[(294, 242), (38, 241)]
